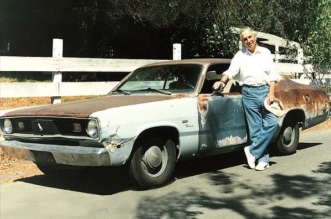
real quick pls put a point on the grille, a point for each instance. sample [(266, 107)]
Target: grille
[(48, 126)]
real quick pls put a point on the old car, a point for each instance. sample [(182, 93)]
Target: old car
[(158, 115)]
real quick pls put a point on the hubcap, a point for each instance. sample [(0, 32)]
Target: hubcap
[(153, 157), (288, 133)]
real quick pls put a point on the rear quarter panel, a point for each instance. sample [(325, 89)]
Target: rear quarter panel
[(312, 100)]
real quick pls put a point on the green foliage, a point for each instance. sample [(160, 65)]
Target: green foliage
[(318, 45), (195, 24), (147, 28), (298, 17)]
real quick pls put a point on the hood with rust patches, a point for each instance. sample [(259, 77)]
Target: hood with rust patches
[(84, 108)]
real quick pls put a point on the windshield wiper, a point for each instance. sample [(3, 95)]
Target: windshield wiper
[(157, 90), (125, 92)]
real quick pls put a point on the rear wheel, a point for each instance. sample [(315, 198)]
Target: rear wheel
[(153, 162), (289, 138)]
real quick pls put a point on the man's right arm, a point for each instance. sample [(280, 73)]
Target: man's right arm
[(231, 72)]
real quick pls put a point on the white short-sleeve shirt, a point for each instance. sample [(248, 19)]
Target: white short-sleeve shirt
[(255, 69)]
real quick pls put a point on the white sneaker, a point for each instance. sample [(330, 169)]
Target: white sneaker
[(250, 158), (262, 166)]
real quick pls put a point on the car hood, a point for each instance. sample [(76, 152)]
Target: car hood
[(84, 108)]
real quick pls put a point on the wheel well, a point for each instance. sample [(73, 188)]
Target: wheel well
[(163, 132), (297, 116)]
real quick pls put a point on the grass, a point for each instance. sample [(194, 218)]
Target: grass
[(12, 77), (12, 103)]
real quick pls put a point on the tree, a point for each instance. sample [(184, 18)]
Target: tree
[(318, 44), (30, 26), (147, 28)]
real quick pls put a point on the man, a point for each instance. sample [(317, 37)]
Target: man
[(258, 78)]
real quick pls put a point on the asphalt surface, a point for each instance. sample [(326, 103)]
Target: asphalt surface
[(295, 186)]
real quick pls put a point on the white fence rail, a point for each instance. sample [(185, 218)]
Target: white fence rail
[(58, 64), (50, 64), (49, 89)]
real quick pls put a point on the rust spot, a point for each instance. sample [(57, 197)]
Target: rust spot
[(84, 108), (313, 100), (203, 107), (181, 95), (203, 103)]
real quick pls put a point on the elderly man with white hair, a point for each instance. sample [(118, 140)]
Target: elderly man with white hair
[(258, 77)]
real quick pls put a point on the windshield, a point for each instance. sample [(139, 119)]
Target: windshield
[(163, 79)]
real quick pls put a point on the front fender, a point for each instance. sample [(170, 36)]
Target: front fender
[(121, 126)]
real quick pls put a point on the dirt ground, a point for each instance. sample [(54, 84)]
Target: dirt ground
[(12, 169)]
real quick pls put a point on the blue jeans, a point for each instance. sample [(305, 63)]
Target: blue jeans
[(262, 124)]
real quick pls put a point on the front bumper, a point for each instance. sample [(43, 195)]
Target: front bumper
[(62, 154)]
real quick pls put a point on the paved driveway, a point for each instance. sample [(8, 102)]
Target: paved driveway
[(295, 186)]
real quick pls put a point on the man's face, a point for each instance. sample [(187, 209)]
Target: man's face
[(249, 40)]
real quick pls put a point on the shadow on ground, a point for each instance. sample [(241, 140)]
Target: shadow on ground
[(113, 180), (195, 202), (105, 181)]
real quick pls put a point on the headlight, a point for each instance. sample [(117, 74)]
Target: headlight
[(7, 126), (92, 129)]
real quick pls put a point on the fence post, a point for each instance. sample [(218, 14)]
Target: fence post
[(57, 76), (177, 51), (300, 56), (277, 53)]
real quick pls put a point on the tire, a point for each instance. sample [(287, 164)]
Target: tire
[(153, 163), (289, 138)]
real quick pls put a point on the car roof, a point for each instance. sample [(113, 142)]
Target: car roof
[(201, 61)]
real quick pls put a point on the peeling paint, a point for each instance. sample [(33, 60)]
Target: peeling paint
[(203, 107), (204, 145), (221, 121), (119, 150), (113, 142), (116, 147), (117, 144), (231, 140)]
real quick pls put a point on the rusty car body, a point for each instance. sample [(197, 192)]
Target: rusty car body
[(159, 114)]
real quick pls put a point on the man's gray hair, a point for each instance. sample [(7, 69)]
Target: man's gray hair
[(246, 29)]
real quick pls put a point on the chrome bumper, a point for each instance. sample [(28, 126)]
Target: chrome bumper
[(68, 155)]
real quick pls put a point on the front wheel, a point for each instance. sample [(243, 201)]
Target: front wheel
[(289, 138), (153, 162)]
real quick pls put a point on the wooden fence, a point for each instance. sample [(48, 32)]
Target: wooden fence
[(58, 64)]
